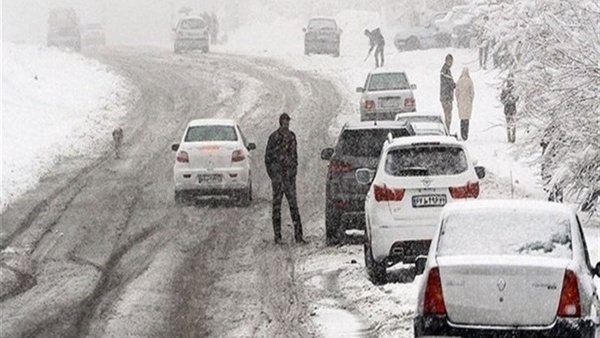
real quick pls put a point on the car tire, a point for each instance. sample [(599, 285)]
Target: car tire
[(377, 271), (413, 43), (180, 198), (333, 233)]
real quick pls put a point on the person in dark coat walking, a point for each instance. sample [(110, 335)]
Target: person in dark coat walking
[(281, 160), (447, 86), (376, 41), (509, 100)]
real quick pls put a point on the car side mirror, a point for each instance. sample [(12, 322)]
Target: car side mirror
[(304, 29), (364, 176), (480, 172), (175, 147), (360, 89), (413, 86), (251, 146), (420, 263), (327, 154), (597, 269)]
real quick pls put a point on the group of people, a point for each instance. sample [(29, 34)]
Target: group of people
[(464, 91)]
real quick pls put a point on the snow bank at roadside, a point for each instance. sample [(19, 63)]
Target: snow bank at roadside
[(55, 104)]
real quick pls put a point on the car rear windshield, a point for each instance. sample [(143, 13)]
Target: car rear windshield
[(193, 24), (318, 24), (367, 142), (388, 81), (505, 232), (211, 133), (426, 161)]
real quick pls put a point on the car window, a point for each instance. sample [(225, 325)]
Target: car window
[(426, 161), (211, 133), (510, 232), (367, 142), (388, 81), (244, 140), (192, 24), (318, 24)]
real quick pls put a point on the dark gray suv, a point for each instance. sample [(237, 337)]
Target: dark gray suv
[(358, 146)]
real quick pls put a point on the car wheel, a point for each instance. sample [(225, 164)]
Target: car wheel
[(413, 43), (333, 233), (377, 271), (179, 198)]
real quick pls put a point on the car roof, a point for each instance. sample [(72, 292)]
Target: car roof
[(442, 139), (212, 122), (322, 18), (516, 204), (375, 125), (384, 70), (193, 17), (426, 125), (419, 114)]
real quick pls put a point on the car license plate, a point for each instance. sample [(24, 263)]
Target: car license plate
[(394, 102), (209, 179), (424, 201)]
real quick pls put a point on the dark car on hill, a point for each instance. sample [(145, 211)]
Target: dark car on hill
[(322, 36), (358, 146)]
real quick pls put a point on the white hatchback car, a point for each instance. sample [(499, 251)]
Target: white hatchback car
[(386, 92), (213, 158), (191, 33), (508, 268), (416, 176)]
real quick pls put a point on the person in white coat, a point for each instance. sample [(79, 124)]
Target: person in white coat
[(464, 100)]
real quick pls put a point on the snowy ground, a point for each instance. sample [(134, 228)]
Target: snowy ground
[(55, 104)]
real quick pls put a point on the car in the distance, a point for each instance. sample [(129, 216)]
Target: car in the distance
[(322, 36), (386, 92), (427, 123), (415, 178), (92, 34), (429, 128), (213, 158), (508, 268), (191, 33), (358, 145), (423, 37), (63, 28)]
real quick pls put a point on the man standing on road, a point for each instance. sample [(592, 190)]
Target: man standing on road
[(376, 40), (281, 160), (447, 86)]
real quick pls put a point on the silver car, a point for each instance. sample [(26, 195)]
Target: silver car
[(191, 33), (386, 93), (511, 268)]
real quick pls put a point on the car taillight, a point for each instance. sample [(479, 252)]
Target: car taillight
[(383, 193), (369, 104), (469, 190), (569, 305), (183, 157), (409, 102), (339, 167), (237, 156), (434, 297)]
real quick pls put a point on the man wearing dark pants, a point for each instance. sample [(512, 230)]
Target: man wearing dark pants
[(376, 41), (281, 160), (447, 86)]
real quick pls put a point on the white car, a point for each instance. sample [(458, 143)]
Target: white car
[(508, 268), (213, 158), (191, 33), (416, 177), (386, 92), (424, 123), (426, 116)]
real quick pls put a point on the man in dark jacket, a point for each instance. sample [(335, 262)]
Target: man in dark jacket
[(447, 86), (509, 100), (281, 160), (376, 41)]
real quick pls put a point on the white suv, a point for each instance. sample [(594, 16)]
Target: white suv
[(213, 158), (416, 176)]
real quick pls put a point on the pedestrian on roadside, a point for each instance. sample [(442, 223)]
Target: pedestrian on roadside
[(464, 101), (509, 100), (483, 43), (447, 86), (281, 160), (376, 41)]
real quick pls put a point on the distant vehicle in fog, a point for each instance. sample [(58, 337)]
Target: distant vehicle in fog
[(191, 33), (423, 37), (63, 28), (92, 34), (322, 36)]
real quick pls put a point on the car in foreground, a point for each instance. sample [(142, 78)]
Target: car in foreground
[(191, 33), (415, 178), (213, 158), (92, 34), (386, 92), (508, 268), (358, 145), (322, 36)]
